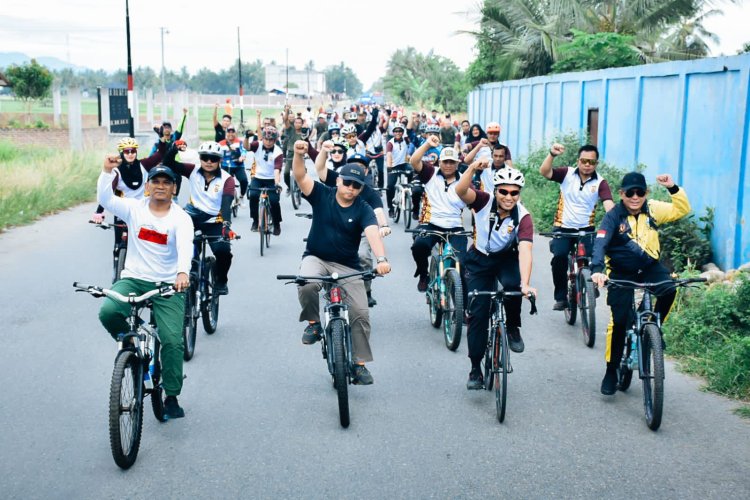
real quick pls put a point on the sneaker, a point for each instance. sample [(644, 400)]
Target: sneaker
[(609, 382), (371, 302), (415, 214), (560, 305), (254, 227), (515, 342), (276, 229), (390, 213), (288, 192), (221, 289), (476, 380), (312, 334), (422, 285), (172, 408), (361, 375)]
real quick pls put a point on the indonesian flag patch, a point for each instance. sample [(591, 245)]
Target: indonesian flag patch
[(602, 233), (153, 236)]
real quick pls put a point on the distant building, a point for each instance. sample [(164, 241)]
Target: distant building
[(4, 81), (301, 82)]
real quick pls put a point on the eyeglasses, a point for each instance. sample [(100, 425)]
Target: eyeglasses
[(209, 159), (639, 192), (349, 136), (129, 151), (337, 151), (433, 133), (353, 184), (587, 161), (505, 192)]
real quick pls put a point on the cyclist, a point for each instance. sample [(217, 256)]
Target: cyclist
[(210, 206), (159, 252), (627, 245), (374, 147), (442, 206), (269, 160), (220, 129), (448, 132), (501, 251), (581, 188), (396, 154), (430, 157), (332, 133), (292, 133), (233, 159), (321, 127), (463, 135), (357, 142), (483, 178), (340, 217), (493, 138)]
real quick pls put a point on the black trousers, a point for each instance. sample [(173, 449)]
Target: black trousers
[(422, 247), (482, 273), (221, 248), (561, 248), (273, 197), (240, 174), (621, 299)]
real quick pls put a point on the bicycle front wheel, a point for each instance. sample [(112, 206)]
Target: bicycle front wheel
[(500, 368), (126, 408), (210, 302), (571, 310), (453, 315), (433, 295), (190, 323), (296, 193), (340, 370), (157, 393), (652, 374), (397, 205), (587, 305)]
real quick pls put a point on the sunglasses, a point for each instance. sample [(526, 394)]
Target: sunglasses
[(337, 151), (209, 159), (493, 133), (129, 151), (349, 136), (354, 184), (587, 161), (639, 192), (505, 192)]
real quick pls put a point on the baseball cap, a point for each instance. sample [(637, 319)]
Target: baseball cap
[(352, 172), (321, 115), (448, 154), (161, 170), (231, 129), (166, 124), (360, 159), (633, 180), (398, 126)]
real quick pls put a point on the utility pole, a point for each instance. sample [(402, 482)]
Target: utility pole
[(163, 73), (131, 97), (239, 68), (287, 75)]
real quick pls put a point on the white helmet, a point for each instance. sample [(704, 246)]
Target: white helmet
[(210, 148), (349, 128), (352, 116), (508, 175), (432, 129)]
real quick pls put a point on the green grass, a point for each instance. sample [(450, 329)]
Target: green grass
[(743, 411)]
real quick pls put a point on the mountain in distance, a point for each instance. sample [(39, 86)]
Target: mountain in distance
[(53, 63)]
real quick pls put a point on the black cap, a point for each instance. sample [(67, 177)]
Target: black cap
[(633, 180), (231, 129), (166, 124), (353, 172), (161, 170)]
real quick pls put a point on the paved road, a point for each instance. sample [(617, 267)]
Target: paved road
[(262, 417)]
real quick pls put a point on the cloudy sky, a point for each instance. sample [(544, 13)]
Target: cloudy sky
[(363, 34)]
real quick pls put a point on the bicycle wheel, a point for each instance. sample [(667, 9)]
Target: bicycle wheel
[(500, 368), (262, 226), (190, 323), (652, 374), (296, 193), (210, 302), (433, 295), (407, 211), (269, 223), (340, 370), (624, 372), (571, 310), (587, 305), (122, 252), (397, 205), (488, 378), (235, 207), (157, 393), (453, 315), (126, 408)]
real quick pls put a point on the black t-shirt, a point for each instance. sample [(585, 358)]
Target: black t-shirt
[(220, 134), (368, 193), (336, 231)]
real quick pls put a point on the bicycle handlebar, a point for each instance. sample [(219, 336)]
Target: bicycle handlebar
[(442, 234), (578, 234), (503, 293), (198, 235), (367, 275), (633, 284), (97, 291), (111, 225), (306, 216)]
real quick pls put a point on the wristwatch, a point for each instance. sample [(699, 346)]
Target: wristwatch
[(382, 259)]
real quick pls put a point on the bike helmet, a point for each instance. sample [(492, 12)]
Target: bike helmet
[(432, 129), (210, 148), (422, 128), (508, 175), (358, 158), (398, 126), (333, 126), (340, 142), (270, 133), (127, 143), (493, 127), (349, 128), (352, 116)]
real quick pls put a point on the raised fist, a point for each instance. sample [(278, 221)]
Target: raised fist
[(665, 180), (300, 148), (433, 141), (556, 149), (327, 146)]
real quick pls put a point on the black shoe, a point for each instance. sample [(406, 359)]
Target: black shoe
[(415, 215), (276, 229), (515, 342), (476, 380), (361, 375), (609, 382), (371, 302), (422, 285), (596, 292), (172, 408), (254, 227), (313, 333), (221, 289), (390, 213), (560, 305)]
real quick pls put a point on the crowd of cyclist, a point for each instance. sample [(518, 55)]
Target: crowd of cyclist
[(454, 167)]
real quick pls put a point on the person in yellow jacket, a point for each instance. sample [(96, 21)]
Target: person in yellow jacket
[(629, 242)]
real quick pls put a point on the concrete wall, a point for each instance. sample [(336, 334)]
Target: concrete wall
[(92, 138), (688, 118)]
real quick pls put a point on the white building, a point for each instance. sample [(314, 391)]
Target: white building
[(301, 82)]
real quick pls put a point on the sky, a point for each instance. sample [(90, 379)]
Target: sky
[(362, 34)]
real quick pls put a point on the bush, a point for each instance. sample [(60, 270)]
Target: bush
[(41, 125), (8, 151)]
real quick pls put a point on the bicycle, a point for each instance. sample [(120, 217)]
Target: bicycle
[(265, 218), (200, 299), (337, 341), (136, 374), (445, 291), (296, 193), (120, 250), (402, 197), (581, 290), (644, 348), (497, 355)]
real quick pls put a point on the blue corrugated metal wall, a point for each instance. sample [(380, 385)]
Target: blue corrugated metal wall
[(688, 118)]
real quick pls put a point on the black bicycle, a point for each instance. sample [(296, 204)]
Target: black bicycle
[(581, 290), (337, 339), (497, 355), (120, 251), (644, 347), (265, 218), (136, 374)]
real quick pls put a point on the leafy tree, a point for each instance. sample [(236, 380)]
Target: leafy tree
[(745, 49), (596, 51), (30, 82), (342, 80)]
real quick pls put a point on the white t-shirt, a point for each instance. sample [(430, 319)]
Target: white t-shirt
[(441, 205)]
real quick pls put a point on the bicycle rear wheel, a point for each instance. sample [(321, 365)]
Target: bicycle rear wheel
[(269, 222), (397, 205), (571, 310), (407, 211), (210, 302), (433, 295), (340, 370), (263, 226), (652, 374), (453, 315), (126, 408), (122, 252), (190, 323), (157, 393), (500, 368), (587, 305)]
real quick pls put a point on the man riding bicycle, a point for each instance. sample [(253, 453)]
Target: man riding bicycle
[(233, 159), (340, 217), (159, 252), (627, 245), (269, 160)]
